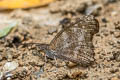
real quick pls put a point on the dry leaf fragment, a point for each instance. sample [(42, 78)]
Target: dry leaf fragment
[(12, 4)]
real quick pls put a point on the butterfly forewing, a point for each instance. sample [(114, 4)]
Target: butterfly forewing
[(74, 43)]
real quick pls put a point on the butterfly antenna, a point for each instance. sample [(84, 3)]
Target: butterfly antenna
[(39, 46)]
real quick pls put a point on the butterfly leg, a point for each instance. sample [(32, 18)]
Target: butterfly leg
[(45, 60), (55, 61)]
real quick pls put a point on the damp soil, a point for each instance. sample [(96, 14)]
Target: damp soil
[(41, 24)]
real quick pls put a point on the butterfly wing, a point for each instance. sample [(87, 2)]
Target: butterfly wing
[(74, 43)]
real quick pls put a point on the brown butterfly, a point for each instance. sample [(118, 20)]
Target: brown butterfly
[(74, 41)]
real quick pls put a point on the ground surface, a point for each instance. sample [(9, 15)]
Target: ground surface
[(42, 24)]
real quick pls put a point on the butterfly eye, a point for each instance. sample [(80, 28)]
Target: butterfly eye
[(65, 21)]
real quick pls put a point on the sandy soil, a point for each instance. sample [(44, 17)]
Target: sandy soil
[(42, 24)]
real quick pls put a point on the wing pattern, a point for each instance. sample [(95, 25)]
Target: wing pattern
[(74, 43)]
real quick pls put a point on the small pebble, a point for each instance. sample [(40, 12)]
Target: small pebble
[(117, 34), (117, 25), (10, 66), (114, 13), (104, 20), (71, 64), (9, 56), (9, 78), (118, 41), (74, 73), (114, 70), (116, 56)]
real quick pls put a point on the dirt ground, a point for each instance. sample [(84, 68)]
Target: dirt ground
[(41, 24)]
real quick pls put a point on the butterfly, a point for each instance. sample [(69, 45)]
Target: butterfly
[(74, 42)]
